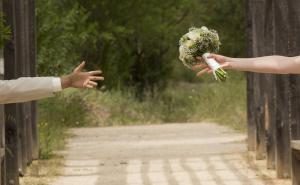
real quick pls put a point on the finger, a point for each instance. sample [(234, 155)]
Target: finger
[(93, 83), (199, 58), (210, 71), (199, 66), (203, 72), (89, 86), (95, 73), (213, 56), (96, 78), (224, 66), (79, 67), (85, 83)]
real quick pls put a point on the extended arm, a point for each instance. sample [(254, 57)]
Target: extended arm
[(268, 64), (27, 89)]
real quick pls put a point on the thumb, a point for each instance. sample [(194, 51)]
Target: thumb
[(79, 67)]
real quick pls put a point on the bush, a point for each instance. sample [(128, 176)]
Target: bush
[(56, 114), (5, 32), (224, 103)]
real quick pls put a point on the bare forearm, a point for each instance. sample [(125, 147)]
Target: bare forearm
[(268, 64)]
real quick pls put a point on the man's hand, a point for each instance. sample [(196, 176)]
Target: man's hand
[(204, 68), (80, 79)]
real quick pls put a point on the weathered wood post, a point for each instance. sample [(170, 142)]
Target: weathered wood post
[(294, 49), (32, 59), (270, 119), (270, 85), (11, 122), (2, 123), (284, 38), (296, 162), (2, 120), (27, 63), (250, 98), (20, 64), (255, 9)]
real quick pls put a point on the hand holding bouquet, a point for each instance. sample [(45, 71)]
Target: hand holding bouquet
[(200, 42)]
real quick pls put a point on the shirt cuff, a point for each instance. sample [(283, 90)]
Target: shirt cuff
[(56, 84)]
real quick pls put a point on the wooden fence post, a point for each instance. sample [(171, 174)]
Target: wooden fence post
[(259, 104), (28, 123), (20, 59), (270, 85), (283, 47), (257, 8), (270, 119), (32, 59), (2, 121), (11, 124), (250, 98), (293, 49)]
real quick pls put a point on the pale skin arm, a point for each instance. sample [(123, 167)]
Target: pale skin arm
[(268, 64), (80, 79)]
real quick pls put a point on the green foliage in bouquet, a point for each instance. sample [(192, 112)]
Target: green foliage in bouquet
[(5, 32), (197, 42)]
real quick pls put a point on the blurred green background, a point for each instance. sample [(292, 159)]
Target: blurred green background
[(135, 44)]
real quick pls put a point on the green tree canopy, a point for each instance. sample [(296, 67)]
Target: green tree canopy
[(134, 42)]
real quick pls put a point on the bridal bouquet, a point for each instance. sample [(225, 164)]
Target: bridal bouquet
[(200, 42)]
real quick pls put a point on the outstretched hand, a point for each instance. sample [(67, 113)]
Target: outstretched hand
[(81, 79), (204, 68)]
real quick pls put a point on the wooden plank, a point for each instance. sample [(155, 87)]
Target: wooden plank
[(259, 103), (295, 144), (2, 120), (250, 102), (11, 128), (21, 56), (11, 138), (270, 84), (295, 107), (294, 47), (28, 123), (2, 135), (284, 42), (270, 119), (283, 154), (32, 57), (258, 39), (294, 23), (296, 166)]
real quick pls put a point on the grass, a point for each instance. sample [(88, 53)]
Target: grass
[(56, 115), (224, 103), (42, 172)]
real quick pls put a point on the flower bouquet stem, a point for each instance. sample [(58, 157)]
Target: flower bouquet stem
[(218, 72)]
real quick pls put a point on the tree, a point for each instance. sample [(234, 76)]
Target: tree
[(5, 32)]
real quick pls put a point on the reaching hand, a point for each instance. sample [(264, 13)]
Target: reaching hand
[(80, 79), (204, 68)]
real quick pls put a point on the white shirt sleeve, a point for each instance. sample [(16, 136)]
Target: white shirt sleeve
[(56, 84), (28, 89)]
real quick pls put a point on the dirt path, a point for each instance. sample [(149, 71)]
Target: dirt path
[(173, 154)]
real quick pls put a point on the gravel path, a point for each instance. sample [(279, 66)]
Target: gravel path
[(173, 154)]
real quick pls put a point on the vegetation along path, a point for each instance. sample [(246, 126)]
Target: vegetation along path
[(172, 154)]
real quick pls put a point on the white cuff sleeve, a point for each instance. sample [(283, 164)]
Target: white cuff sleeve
[(56, 84)]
